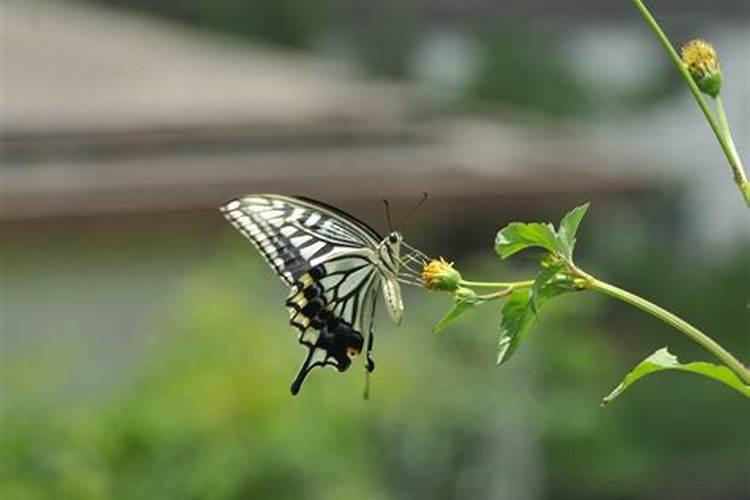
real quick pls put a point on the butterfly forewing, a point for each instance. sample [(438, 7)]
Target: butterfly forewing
[(333, 264)]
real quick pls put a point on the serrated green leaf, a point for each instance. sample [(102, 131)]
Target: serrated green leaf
[(518, 236), (516, 319), (569, 227), (462, 305), (543, 285), (523, 305), (519, 313), (664, 360)]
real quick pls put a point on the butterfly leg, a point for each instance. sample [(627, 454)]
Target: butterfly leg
[(369, 363)]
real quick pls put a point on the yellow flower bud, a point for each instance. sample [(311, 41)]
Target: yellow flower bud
[(702, 62), (438, 274)]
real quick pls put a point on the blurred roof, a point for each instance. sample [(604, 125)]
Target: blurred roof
[(106, 112), (81, 67)]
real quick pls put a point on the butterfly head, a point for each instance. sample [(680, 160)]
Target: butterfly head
[(390, 248)]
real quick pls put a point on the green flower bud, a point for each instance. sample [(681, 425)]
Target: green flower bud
[(463, 294), (702, 62), (438, 274)]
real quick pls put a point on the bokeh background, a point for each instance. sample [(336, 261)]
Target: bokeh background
[(145, 350)]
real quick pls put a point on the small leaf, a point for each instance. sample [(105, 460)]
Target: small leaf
[(517, 317), (569, 227), (464, 302), (520, 312), (542, 281), (522, 306), (518, 236), (664, 360)]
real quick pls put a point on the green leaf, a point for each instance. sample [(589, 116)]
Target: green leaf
[(543, 285), (516, 319), (569, 227), (664, 360), (522, 306), (518, 236), (520, 312), (464, 303)]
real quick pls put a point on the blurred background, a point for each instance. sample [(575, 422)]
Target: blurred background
[(145, 350)]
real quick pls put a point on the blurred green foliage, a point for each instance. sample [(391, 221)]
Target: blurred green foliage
[(209, 416), (518, 67), (677, 435)]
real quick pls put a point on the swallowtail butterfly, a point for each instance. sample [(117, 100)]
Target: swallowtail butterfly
[(334, 265)]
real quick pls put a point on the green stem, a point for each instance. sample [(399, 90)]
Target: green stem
[(484, 284), (500, 294), (505, 288), (683, 326), (721, 133), (672, 53), (735, 162)]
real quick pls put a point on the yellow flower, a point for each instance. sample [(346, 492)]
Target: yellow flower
[(438, 274), (702, 62)]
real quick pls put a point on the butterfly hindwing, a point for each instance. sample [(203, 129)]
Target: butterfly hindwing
[(330, 262), (327, 307)]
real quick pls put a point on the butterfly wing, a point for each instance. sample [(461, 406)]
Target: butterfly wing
[(328, 306), (329, 260)]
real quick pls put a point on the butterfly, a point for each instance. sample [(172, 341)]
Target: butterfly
[(334, 265)]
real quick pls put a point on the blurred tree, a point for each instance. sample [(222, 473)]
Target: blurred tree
[(210, 417), (517, 67)]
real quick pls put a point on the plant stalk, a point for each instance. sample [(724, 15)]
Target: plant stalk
[(721, 132), (735, 162), (513, 285), (683, 326)]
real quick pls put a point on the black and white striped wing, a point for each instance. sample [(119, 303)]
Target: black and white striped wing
[(295, 234), (330, 307), (329, 261)]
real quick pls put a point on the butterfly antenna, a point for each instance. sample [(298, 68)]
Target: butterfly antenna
[(388, 214), (411, 212)]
